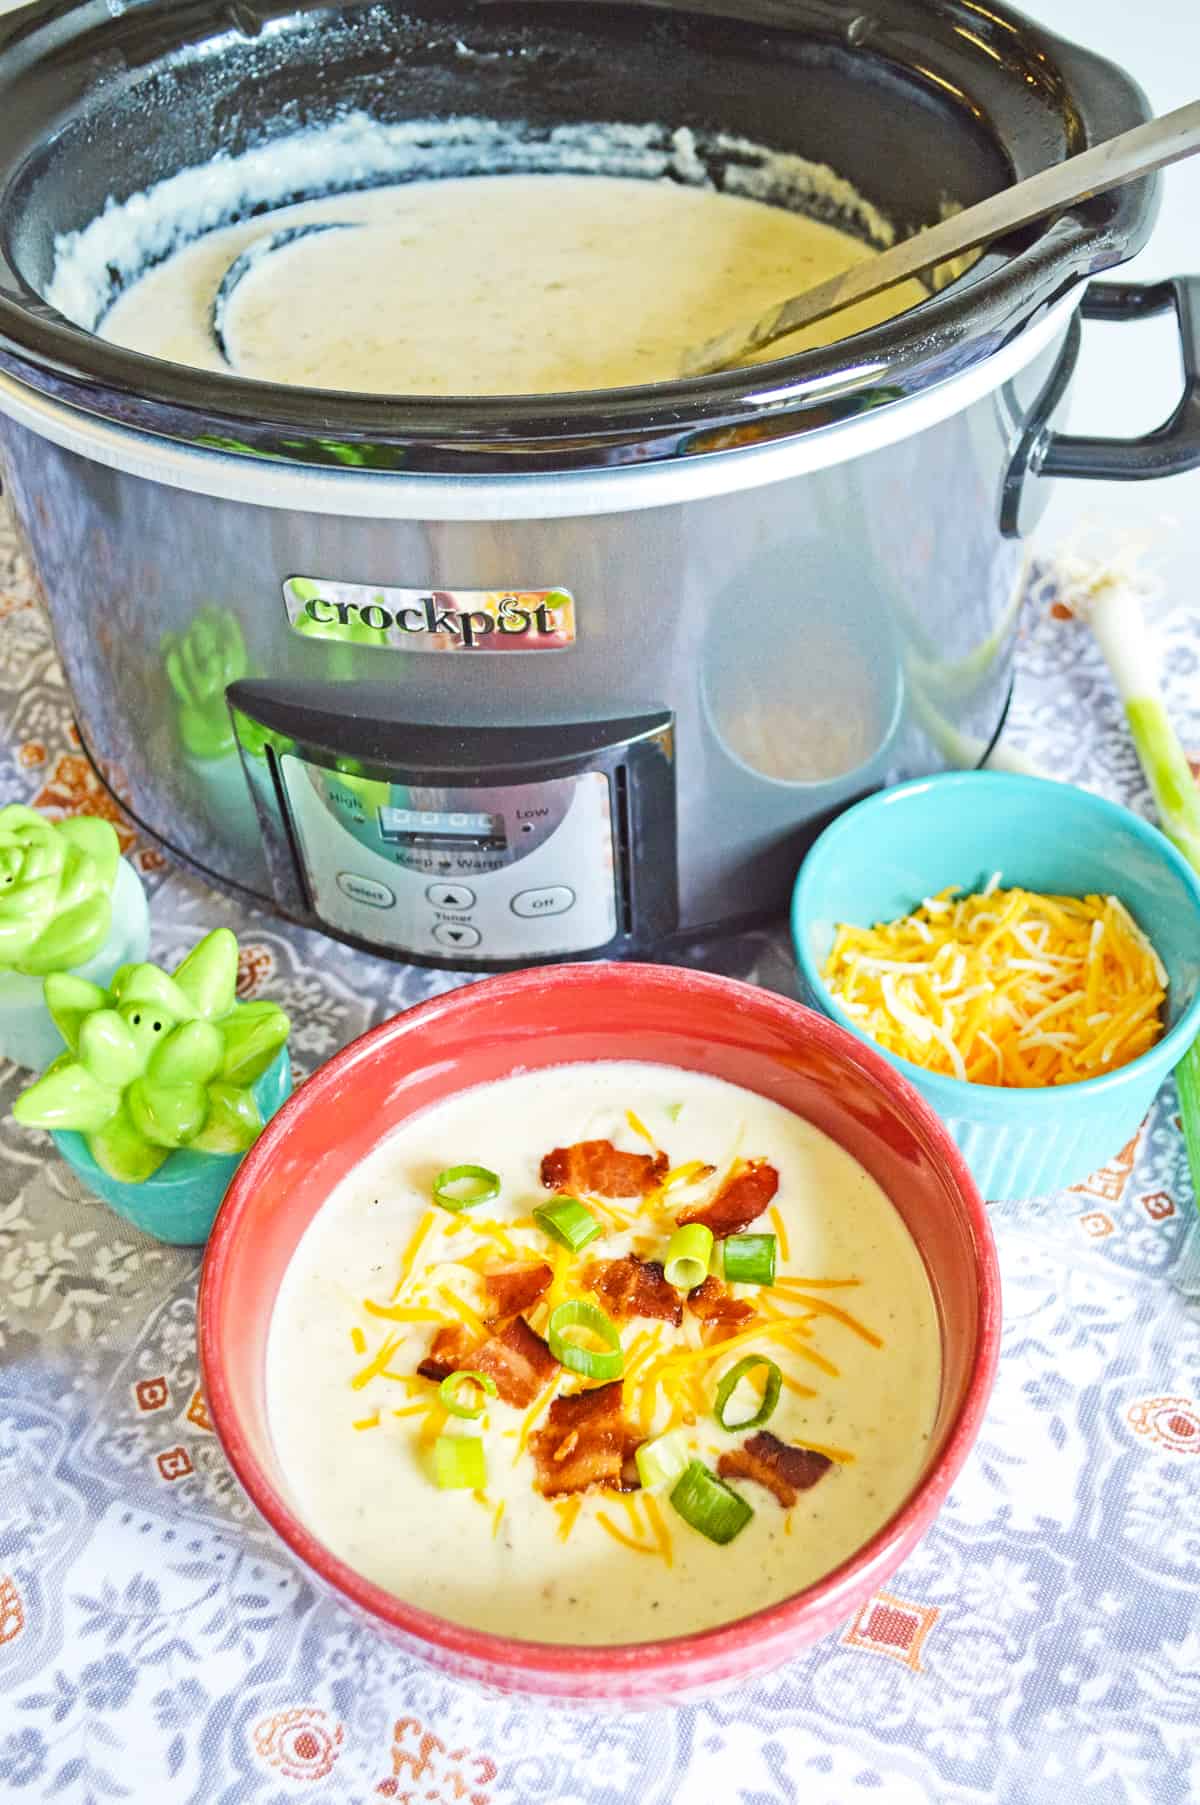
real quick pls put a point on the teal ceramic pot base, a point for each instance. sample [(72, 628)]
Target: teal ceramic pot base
[(179, 1202), (28, 1036)]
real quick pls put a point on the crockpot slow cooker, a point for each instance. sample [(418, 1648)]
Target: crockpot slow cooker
[(478, 682)]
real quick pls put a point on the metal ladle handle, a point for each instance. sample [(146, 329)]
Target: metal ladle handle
[(1109, 165)]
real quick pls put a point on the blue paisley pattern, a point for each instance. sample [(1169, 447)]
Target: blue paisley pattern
[(1041, 1646)]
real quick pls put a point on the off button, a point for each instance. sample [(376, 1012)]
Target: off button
[(365, 890), (555, 899)]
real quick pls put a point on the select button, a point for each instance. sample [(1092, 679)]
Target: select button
[(555, 899), (365, 890), (451, 896)]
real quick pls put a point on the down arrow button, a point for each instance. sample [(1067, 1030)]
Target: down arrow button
[(460, 935)]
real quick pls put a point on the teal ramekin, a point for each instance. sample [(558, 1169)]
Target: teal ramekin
[(881, 858), (179, 1202)]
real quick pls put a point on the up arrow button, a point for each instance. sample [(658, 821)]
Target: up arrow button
[(451, 896)]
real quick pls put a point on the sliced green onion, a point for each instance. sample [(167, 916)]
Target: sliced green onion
[(662, 1460), (688, 1251), (567, 1221), (673, 1110), (749, 1259), (459, 1463), (462, 1187), (708, 1504), (448, 1393), (593, 1363), (733, 1378)]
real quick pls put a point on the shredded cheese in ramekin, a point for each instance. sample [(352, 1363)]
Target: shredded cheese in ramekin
[(1005, 987)]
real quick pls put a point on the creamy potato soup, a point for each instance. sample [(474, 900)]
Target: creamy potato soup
[(507, 284), (725, 1443)]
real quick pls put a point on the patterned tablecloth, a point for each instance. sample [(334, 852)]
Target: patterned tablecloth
[(157, 1644)]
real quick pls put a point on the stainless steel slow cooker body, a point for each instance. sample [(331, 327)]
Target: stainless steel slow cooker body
[(768, 591)]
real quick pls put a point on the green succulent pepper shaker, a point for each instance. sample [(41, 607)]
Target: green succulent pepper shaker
[(166, 1081), (69, 903)]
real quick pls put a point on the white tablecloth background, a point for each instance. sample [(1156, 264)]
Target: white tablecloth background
[(157, 1645)]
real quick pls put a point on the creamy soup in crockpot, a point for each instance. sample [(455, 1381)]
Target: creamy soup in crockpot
[(510, 284), (626, 1477)]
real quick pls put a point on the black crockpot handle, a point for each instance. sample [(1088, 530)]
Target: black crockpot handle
[(1175, 445)]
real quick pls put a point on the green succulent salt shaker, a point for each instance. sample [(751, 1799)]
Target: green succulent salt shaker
[(68, 903), (199, 665), (165, 1082)]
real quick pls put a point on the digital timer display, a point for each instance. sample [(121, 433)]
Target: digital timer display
[(442, 828)]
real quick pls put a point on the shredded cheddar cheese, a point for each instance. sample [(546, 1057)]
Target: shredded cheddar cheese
[(806, 1284), (639, 1127), (686, 1174), (402, 1312), (492, 1231), (669, 1370), (1005, 987), (818, 1360), (658, 1524), (529, 1420), (377, 1364), (568, 1510), (783, 1328), (408, 1258), (627, 1541), (840, 1456), (630, 1501), (608, 1211), (463, 1309), (818, 1306), (435, 1421)]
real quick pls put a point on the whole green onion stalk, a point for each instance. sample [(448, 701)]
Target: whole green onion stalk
[(1111, 598)]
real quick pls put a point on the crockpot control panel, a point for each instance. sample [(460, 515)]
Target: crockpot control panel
[(464, 847), (523, 871)]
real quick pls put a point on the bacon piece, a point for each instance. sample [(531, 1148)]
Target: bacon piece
[(585, 1441), (712, 1302), (514, 1288), (633, 1287), (601, 1168), (518, 1360), (784, 1468), (450, 1350), (739, 1202)]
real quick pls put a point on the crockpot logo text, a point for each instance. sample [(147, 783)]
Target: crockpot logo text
[(471, 625), (440, 620)]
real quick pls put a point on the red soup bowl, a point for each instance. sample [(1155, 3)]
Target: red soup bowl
[(493, 1029)]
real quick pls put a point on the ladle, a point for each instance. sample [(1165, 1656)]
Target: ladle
[(1106, 165), (249, 260)]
